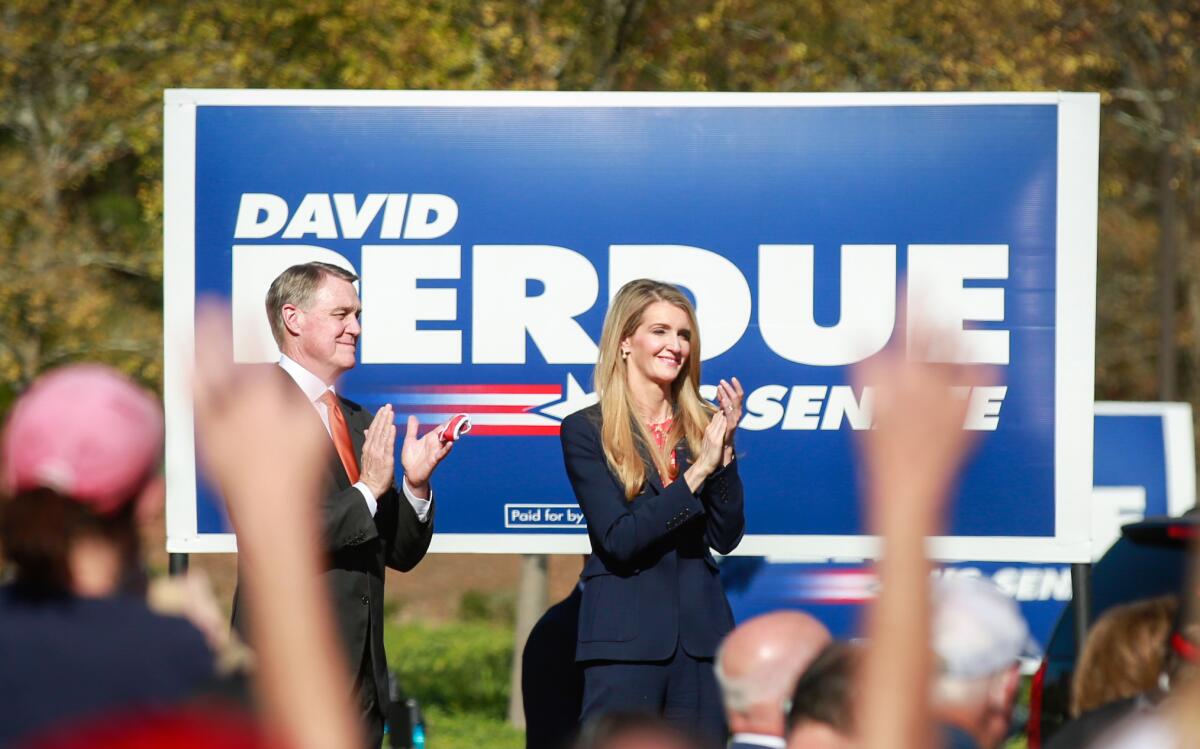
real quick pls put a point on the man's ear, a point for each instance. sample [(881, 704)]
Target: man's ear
[(291, 315), (1004, 688)]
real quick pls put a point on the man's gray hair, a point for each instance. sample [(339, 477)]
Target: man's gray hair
[(977, 634), (296, 286), (739, 695)]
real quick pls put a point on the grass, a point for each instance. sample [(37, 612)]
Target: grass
[(466, 730)]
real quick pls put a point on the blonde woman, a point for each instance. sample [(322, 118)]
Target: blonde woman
[(653, 469)]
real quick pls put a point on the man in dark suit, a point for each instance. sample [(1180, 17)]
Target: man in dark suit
[(367, 523)]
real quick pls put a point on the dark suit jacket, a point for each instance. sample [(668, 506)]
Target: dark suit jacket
[(359, 547), (651, 581)]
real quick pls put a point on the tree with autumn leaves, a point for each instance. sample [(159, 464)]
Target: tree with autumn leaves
[(81, 125)]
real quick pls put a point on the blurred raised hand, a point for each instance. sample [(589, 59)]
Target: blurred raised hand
[(917, 443), (251, 438), (910, 459), (260, 447)]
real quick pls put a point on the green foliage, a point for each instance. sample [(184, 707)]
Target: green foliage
[(458, 730), (393, 605), (81, 125), (459, 667), (494, 606)]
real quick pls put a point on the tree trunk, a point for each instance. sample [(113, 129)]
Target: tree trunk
[(1168, 275), (532, 599)]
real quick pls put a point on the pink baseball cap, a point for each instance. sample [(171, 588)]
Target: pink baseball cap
[(87, 432)]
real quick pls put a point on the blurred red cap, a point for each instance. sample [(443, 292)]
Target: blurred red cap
[(87, 432)]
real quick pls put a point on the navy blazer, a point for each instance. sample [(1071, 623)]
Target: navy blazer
[(651, 582)]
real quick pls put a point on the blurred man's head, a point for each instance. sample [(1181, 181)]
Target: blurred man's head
[(978, 634), (632, 731), (313, 310), (79, 457), (822, 712), (757, 666)]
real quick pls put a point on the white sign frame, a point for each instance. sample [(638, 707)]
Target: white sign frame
[(1077, 185)]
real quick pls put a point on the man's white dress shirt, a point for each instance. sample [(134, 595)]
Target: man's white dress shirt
[(758, 739), (313, 388)]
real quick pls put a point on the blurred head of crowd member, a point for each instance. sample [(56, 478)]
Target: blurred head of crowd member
[(633, 731), (1172, 723), (822, 712), (1123, 654), (757, 666), (978, 635), (78, 460), (1122, 672), (78, 457)]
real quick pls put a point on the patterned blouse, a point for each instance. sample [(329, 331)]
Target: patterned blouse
[(659, 432)]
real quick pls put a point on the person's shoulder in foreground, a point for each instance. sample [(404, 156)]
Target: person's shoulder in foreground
[(68, 657)]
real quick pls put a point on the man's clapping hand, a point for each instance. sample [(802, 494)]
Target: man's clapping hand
[(419, 456), (378, 464)]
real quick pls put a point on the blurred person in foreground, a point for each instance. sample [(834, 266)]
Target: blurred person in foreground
[(271, 466), (757, 666), (367, 523), (978, 638), (79, 463), (1118, 671), (822, 711), (254, 444), (618, 730), (910, 459)]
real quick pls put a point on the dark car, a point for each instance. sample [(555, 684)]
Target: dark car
[(1150, 559)]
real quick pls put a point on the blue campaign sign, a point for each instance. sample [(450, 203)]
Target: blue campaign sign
[(836, 593), (489, 229), (1148, 445), (1142, 446)]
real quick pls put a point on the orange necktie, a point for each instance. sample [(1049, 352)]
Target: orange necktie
[(341, 435)]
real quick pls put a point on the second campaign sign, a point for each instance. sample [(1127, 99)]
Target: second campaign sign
[(490, 230)]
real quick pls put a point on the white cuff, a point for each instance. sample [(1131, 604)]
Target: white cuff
[(420, 506), (372, 503)]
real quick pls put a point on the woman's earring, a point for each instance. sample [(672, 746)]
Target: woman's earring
[(624, 355)]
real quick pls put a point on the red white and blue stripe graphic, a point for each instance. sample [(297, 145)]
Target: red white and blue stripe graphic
[(836, 586), (500, 409)]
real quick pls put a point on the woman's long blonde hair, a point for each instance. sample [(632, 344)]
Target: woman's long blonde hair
[(622, 431)]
